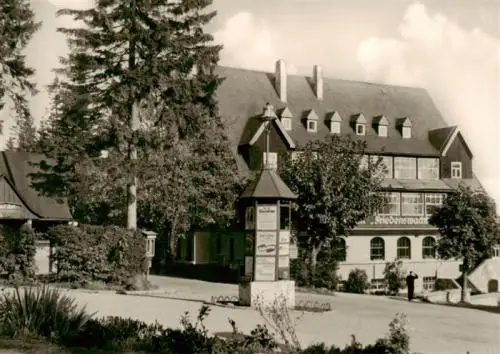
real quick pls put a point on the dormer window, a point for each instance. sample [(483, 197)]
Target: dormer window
[(359, 124), (311, 121), (286, 118), (312, 126), (360, 129), (287, 123), (404, 125), (456, 170), (335, 121), (380, 124)]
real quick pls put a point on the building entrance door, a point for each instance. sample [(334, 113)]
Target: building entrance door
[(493, 286)]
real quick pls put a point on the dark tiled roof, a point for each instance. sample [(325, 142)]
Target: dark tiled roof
[(439, 137), (268, 185), (416, 185), (16, 167), (473, 183), (244, 93)]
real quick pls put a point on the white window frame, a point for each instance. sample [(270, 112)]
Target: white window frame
[(312, 129), (456, 169), (403, 166), (382, 131), (406, 132), (400, 248), (378, 284), (429, 283), (273, 160), (360, 129), (411, 201), (389, 173), (394, 201), (433, 199), (428, 168), (426, 247), (287, 123), (335, 127)]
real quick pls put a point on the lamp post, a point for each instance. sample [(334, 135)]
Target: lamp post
[(268, 115)]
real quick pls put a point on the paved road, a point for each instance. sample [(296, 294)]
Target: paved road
[(433, 328)]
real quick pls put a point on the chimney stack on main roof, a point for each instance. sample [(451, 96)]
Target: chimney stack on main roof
[(318, 81), (280, 80)]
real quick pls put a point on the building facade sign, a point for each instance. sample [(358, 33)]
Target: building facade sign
[(10, 211), (396, 220), (267, 217)]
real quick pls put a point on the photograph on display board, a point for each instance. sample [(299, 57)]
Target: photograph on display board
[(265, 243)]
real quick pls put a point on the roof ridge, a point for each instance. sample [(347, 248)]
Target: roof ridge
[(328, 78)]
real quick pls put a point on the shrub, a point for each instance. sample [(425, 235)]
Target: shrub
[(108, 254), (394, 276), (40, 311), (17, 253), (325, 274), (357, 282)]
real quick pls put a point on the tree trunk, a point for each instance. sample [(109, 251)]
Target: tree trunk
[(315, 249), (464, 297), (134, 125)]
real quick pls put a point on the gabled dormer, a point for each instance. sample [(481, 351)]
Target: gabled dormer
[(311, 120), (403, 125), (380, 124), (286, 118), (334, 121), (358, 122)]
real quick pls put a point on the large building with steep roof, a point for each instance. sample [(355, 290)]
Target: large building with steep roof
[(425, 157)]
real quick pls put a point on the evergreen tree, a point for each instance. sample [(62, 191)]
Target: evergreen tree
[(17, 26), (140, 80), (25, 133)]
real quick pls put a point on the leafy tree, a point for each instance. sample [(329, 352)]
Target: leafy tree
[(139, 81), (357, 282), (468, 227), (17, 26), (334, 193)]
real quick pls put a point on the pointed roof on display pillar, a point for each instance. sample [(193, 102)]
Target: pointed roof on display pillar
[(268, 185)]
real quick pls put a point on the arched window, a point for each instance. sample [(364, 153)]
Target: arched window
[(429, 247), (377, 248), (340, 250), (404, 248)]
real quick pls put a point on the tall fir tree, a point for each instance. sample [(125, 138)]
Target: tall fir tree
[(17, 26), (139, 80)]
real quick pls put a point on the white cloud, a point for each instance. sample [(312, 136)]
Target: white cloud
[(248, 43), (461, 70)]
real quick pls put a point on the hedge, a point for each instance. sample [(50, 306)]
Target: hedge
[(17, 253), (89, 253)]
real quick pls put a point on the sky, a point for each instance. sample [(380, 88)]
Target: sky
[(449, 47)]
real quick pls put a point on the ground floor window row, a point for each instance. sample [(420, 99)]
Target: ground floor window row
[(404, 250), (428, 284)]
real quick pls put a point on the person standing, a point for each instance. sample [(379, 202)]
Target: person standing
[(410, 284)]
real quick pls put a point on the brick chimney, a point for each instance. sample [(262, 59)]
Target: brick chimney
[(280, 80), (318, 81)]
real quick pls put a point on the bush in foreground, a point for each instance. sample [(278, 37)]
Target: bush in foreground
[(42, 311), (46, 313)]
